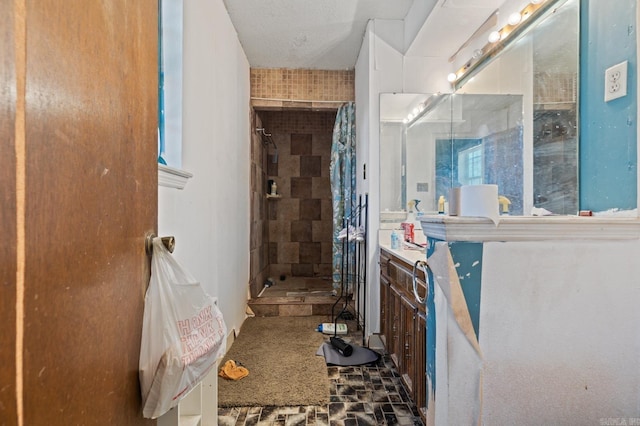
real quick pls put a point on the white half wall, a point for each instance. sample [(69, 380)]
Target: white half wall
[(560, 332), (210, 217)]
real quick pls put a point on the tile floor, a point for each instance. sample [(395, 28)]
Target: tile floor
[(360, 395)]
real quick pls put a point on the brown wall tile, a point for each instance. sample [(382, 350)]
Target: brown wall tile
[(321, 188), (327, 211), (322, 230), (284, 84), (278, 269), (298, 218), (310, 253), (310, 209), (326, 251), (302, 270), (273, 252), (288, 252), (279, 231), (310, 165), (301, 230), (301, 144), (272, 167), (301, 187)]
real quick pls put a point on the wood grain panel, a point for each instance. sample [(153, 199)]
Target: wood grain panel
[(91, 197), (8, 410)]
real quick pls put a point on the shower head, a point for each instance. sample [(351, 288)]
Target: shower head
[(268, 140)]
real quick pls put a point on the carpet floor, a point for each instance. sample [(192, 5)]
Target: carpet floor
[(280, 354)]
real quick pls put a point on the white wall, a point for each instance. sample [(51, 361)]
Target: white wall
[(378, 70), (210, 217), (560, 332), (382, 68), (414, 20)]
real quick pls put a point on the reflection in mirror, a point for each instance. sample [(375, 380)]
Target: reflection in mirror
[(542, 66), (513, 123), (485, 146), (394, 109)]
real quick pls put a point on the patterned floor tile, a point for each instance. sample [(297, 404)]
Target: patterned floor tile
[(360, 396)]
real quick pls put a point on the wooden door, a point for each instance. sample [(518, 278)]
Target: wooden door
[(79, 193), (8, 259)]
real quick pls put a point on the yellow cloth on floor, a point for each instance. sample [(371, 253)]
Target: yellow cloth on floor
[(230, 370)]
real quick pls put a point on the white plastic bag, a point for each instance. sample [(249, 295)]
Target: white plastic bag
[(183, 334)]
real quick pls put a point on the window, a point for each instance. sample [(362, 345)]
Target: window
[(470, 166), (170, 83)]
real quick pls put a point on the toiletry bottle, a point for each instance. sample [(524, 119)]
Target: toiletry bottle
[(395, 240), (441, 205), (411, 215), (274, 189), (331, 328)]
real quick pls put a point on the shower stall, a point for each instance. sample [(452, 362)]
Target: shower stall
[(291, 227)]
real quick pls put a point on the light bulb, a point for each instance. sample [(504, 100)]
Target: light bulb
[(415, 111), (405, 121), (452, 77), (494, 36), (514, 18), (410, 117)]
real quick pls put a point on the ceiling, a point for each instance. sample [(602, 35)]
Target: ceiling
[(307, 34), (328, 34)]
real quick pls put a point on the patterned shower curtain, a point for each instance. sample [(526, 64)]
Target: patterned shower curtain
[(343, 190)]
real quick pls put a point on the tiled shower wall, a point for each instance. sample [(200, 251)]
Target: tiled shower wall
[(300, 222), (292, 235), (281, 87), (259, 235)]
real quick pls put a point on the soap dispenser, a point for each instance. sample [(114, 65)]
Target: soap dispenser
[(411, 217)]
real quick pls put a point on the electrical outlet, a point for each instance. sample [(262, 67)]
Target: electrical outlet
[(615, 82)]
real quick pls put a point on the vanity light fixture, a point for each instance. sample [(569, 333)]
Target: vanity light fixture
[(498, 39), (422, 108), (494, 36), (514, 18)]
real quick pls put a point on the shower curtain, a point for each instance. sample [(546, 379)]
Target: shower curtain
[(343, 189)]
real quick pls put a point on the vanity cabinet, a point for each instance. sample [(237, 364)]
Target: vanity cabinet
[(403, 324)]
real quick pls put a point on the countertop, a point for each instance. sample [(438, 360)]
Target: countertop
[(408, 255)]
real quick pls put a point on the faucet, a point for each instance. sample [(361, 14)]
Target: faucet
[(504, 204)]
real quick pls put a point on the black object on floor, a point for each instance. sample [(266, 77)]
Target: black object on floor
[(359, 355), (341, 346)]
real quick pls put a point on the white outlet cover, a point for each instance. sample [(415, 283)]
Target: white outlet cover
[(615, 82)]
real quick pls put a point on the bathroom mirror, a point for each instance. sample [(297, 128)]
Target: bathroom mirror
[(513, 123)]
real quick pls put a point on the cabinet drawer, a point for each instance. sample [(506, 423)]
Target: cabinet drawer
[(401, 276)]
